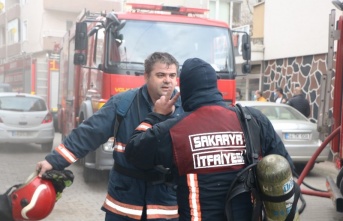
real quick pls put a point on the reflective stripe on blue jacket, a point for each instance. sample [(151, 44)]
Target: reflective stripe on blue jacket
[(126, 195)]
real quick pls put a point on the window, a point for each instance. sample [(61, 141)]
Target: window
[(236, 12), (2, 36), (2, 6), (137, 39), (13, 31)]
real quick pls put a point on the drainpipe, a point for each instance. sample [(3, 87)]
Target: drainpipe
[(231, 14)]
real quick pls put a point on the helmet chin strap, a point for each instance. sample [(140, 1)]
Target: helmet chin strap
[(33, 201)]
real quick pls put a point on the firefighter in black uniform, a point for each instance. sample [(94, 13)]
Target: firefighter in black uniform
[(203, 147)]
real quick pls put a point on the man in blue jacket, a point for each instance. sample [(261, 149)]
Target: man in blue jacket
[(131, 192), (204, 147)]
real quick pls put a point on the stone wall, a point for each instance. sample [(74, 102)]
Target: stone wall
[(289, 73)]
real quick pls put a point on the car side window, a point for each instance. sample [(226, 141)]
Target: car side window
[(38, 105), (285, 116), (269, 112)]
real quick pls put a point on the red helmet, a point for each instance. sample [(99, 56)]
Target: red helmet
[(34, 200)]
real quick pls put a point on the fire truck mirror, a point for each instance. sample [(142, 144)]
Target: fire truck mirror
[(119, 39), (79, 59), (246, 47), (121, 25), (111, 18), (115, 32), (101, 67), (246, 68), (81, 36), (93, 31)]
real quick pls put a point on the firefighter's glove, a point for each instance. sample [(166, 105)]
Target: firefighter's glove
[(60, 180)]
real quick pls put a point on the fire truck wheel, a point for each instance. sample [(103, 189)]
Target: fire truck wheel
[(47, 147), (339, 179)]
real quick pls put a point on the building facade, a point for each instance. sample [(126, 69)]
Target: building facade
[(30, 37), (294, 36)]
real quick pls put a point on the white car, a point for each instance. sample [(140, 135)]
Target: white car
[(25, 118), (298, 133)]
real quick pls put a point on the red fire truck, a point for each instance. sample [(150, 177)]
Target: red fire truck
[(104, 55), (330, 121)]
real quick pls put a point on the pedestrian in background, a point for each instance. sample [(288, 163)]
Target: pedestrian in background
[(131, 195), (259, 96), (194, 148), (299, 102), (239, 95), (280, 96)]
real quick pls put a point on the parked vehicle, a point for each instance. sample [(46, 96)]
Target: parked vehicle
[(25, 118), (298, 133), (104, 55), (33, 76), (5, 87)]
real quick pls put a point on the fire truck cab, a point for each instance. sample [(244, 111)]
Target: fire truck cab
[(104, 55)]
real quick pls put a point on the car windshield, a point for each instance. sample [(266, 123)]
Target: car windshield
[(280, 113), (22, 104), (141, 38)]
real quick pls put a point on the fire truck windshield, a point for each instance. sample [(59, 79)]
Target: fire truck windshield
[(137, 39)]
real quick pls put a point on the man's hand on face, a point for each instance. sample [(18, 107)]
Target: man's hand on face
[(165, 105)]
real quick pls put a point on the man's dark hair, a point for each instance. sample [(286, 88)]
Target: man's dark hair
[(238, 90), (279, 89), (162, 57), (259, 92)]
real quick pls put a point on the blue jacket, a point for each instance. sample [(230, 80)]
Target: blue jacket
[(126, 195), (300, 103)]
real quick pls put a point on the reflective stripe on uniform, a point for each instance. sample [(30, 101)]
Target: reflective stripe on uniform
[(119, 147), (123, 209), (162, 212), (66, 154), (193, 185), (144, 126)]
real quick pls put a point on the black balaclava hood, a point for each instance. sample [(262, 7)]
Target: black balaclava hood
[(198, 84)]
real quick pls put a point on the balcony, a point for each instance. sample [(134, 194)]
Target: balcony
[(50, 37), (76, 6)]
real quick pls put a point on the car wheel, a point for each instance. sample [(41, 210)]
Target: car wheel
[(90, 175), (339, 178), (47, 147), (299, 167), (340, 186)]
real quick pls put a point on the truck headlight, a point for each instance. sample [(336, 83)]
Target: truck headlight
[(108, 146)]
